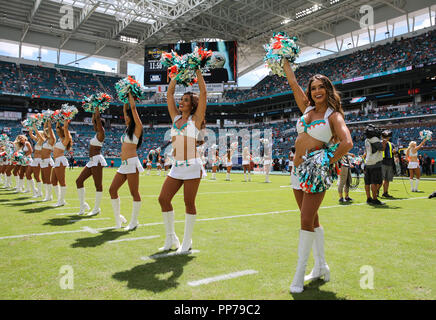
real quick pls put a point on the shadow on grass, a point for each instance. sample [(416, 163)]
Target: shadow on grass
[(103, 237), (20, 204), (385, 206), (63, 221), (36, 210), (157, 276), (312, 291)]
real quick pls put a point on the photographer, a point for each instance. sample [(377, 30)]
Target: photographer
[(373, 164), (388, 163)]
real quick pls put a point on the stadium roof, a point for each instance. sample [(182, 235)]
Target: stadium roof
[(121, 28)]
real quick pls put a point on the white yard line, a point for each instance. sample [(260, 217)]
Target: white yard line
[(206, 219), (222, 277)]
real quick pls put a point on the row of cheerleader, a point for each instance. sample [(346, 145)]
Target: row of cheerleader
[(323, 139), (215, 162)]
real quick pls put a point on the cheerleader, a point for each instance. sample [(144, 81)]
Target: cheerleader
[(2, 165), (228, 161), (46, 160), (158, 162), (16, 163), (322, 120), (93, 168), (413, 166), (267, 160), (150, 161), (9, 150), (25, 161), (246, 158), (168, 159), (291, 161), (215, 162), (64, 142), (187, 168), (34, 167), (130, 167)]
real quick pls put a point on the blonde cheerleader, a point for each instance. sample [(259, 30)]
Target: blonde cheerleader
[(34, 167), (413, 166)]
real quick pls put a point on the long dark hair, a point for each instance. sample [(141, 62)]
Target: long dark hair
[(194, 101), (333, 97), (131, 128), (61, 129)]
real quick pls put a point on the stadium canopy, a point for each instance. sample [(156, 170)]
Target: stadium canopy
[(120, 29)]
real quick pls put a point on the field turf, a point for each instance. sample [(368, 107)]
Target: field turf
[(241, 226)]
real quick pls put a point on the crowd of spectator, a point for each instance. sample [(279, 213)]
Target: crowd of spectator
[(35, 80)]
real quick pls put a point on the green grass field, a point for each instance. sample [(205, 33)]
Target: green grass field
[(240, 226)]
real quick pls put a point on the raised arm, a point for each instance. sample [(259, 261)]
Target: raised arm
[(202, 100), (136, 118), (100, 129), (67, 134), (343, 135), (31, 135), (299, 95), (51, 136), (420, 145), (172, 108)]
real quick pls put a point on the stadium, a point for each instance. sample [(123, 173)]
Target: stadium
[(250, 224)]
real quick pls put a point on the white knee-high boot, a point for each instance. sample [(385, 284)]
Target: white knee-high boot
[(48, 192), (20, 185), (245, 177), (249, 177), (119, 219), (187, 237), (171, 237), (39, 187), (96, 210), (61, 192), (411, 185), (83, 205), (9, 182), (31, 185), (56, 191), (135, 212), (304, 246), (320, 269), (17, 182), (227, 176), (213, 176), (416, 185)]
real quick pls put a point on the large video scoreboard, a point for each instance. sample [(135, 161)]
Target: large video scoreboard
[(224, 61)]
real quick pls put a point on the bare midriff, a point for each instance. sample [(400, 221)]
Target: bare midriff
[(305, 143), (45, 153), (94, 150), (58, 153), (187, 147), (128, 150)]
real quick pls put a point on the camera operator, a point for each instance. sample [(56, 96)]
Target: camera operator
[(388, 163), (373, 164)]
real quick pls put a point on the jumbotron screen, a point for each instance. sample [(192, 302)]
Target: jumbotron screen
[(224, 60)]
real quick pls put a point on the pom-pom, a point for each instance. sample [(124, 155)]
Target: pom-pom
[(234, 145), (281, 47), (47, 115), (36, 119), (316, 174), (183, 68), (3, 139), (425, 134), (67, 112), (100, 101), (126, 85)]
